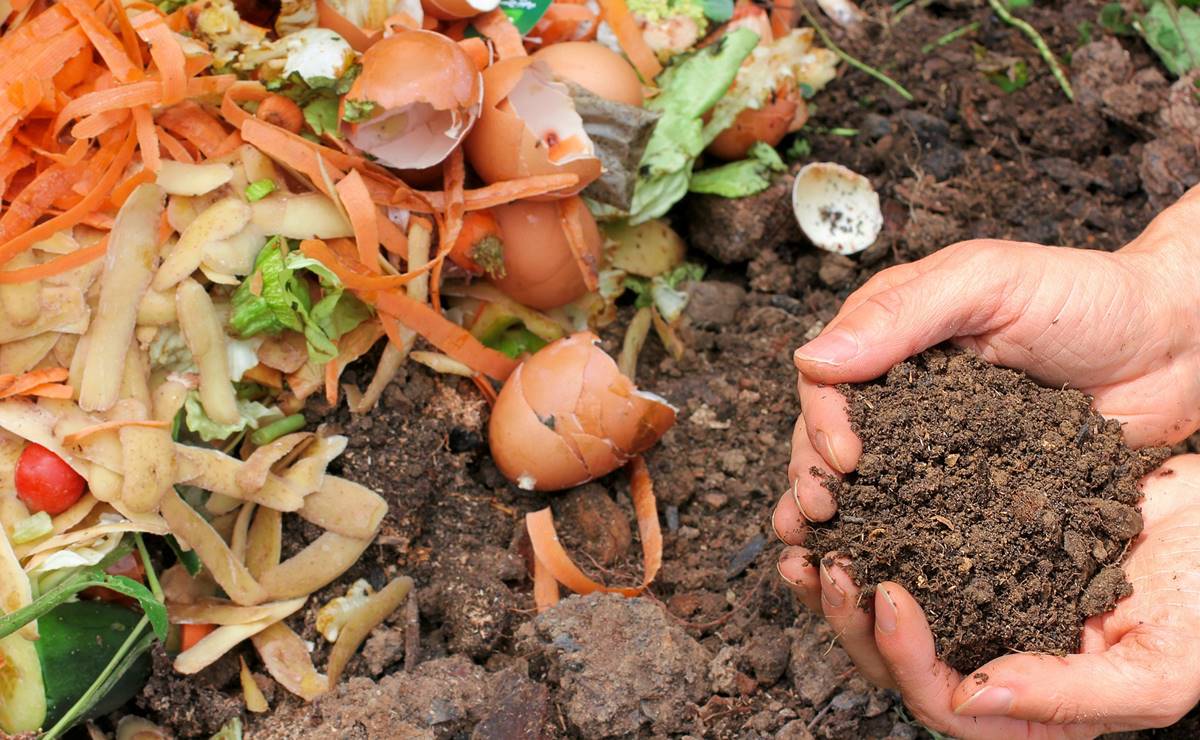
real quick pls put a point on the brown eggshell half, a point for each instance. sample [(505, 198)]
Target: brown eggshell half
[(768, 124), (572, 390), (428, 95), (596, 68), (505, 146), (449, 10), (540, 270)]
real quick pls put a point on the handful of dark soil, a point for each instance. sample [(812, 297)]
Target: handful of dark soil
[(1002, 506)]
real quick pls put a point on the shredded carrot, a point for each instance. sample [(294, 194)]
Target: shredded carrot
[(98, 123), (353, 279), (230, 144), (146, 92), (548, 549), (490, 196), (545, 586), (391, 236), (238, 93), (289, 149), (175, 149), (499, 28), (122, 191), (363, 217), (81, 434), (331, 386), (190, 634), (453, 179), (143, 123), (571, 218), (78, 69), (189, 121), (73, 216), (49, 390), (107, 45), (167, 53), (33, 200), (128, 35), (328, 17), (629, 36), (17, 385), (444, 334), (56, 266)]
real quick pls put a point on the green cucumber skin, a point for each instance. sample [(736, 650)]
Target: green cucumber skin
[(78, 639)]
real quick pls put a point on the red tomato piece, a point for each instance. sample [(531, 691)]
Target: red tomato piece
[(45, 482)]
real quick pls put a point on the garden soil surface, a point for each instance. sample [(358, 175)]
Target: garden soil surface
[(718, 649)]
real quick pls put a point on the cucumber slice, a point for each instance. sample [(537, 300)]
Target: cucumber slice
[(22, 693), (78, 640)]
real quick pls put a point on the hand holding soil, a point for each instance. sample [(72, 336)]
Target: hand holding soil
[(1119, 327)]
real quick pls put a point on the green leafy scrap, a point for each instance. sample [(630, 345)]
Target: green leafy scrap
[(1014, 77), (318, 97), (1115, 20), (276, 297), (357, 111), (740, 179), (1173, 32)]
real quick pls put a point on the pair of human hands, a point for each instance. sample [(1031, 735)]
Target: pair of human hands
[(1122, 327)]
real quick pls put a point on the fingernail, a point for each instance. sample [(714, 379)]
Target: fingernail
[(830, 591), (787, 555), (989, 701), (775, 528), (825, 447), (834, 348), (799, 504), (885, 619)]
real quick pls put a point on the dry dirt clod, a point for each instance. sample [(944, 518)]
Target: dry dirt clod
[(617, 665), (588, 516), (1000, 547)]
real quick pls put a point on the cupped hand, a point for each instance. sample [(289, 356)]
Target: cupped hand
[(1138, 666)]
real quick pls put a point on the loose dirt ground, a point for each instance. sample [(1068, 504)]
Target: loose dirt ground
[(718, 649)]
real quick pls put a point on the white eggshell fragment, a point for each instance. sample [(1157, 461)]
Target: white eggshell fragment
[(837, 208)]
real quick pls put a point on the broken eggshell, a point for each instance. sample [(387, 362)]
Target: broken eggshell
[(837, 208), (540, 271), (450, 10), (529, 127), (595, 67), (417, 97), (567, 416)]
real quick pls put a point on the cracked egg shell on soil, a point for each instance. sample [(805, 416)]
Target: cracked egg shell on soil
[(837, 208), (540, 270), (567, 416), (427, 95), (529, 127)]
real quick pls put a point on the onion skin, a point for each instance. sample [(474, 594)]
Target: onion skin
[(567, 416), (539, 269), (768, 124)]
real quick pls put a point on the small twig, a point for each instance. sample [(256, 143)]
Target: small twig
[(1024, 27), (857, 64), (954, 35), (412, 633)]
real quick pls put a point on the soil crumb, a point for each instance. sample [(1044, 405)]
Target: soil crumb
[(1002, 506)]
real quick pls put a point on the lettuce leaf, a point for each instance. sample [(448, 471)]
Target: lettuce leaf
[(276, 297), (739, 179), (689, 88), (250, 415)]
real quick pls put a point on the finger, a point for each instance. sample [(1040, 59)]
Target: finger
[(813, 499), (1133, 683), (927, 684), (841, 600), (881, 281), (955, 297), (788, 521), (801, 576)]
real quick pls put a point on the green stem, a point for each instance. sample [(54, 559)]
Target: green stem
[(151, 576), (102, 683), (949, 37), (1031, 32), (857, 64), (277, 429)]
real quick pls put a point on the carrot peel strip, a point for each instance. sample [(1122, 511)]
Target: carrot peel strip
[(81, 434), (56, 266), (363, 218), (17, 385), (545, 587), (549, 551), (107, 45), (629, 36), (167, 54), (444, 334)]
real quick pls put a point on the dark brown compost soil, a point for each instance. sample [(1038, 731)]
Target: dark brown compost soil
[(964, 159), (1002, 506)]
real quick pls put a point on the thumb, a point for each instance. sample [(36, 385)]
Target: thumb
[(1124, 686), (958, 297)]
